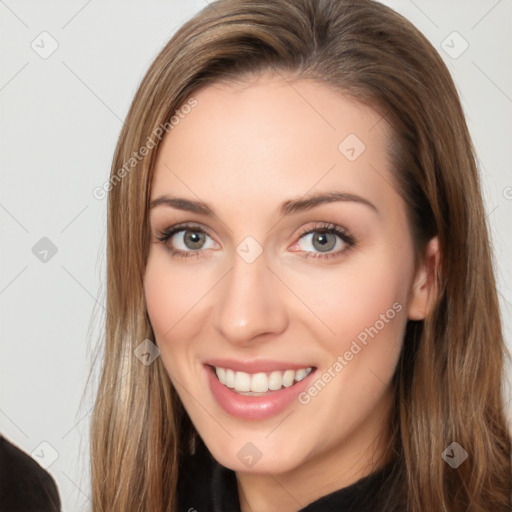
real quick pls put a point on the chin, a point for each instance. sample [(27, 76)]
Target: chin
[(243, 455)]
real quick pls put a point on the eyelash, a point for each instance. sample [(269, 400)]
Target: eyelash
[(345, 236)]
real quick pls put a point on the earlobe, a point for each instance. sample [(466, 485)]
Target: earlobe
[(424, 289)]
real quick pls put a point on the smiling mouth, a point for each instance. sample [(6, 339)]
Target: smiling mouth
[(259, 384)]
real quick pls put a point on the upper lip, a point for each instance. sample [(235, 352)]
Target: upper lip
[(256, 365)]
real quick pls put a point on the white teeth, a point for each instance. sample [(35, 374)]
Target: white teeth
[(221, 374), (230, 378), (275, 381), (242, 381), (259, 382), (250, 383), (300, 374), (288, 378)]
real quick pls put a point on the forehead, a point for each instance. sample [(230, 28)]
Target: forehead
[(258, 142)]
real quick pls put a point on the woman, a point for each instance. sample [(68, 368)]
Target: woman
[(302, 312)]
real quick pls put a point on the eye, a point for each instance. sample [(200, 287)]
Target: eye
[(325, 238), (185, 240)]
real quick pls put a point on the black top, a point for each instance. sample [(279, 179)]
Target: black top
[(207, 486), (24, 485)]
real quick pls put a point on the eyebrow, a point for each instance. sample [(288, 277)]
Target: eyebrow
[(292, 206)]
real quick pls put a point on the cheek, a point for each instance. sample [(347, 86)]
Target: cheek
[(159, 296), (176, 301), (169, 296), (362, 303)]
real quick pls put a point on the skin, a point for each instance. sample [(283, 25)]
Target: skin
[(245, 149)]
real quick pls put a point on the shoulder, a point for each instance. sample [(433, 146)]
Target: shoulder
[(381, 490), (195, 478), (24, 484), (205, 485)]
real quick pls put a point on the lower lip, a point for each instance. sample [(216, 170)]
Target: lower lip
[(255, 407)]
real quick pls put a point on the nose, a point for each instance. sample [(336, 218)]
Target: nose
[(249, 303)]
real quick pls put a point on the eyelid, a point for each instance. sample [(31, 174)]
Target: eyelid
[(349, 240), (167, 233), (328, 227), (341, 232)]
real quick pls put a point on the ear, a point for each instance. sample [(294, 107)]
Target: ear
[(424, 289)]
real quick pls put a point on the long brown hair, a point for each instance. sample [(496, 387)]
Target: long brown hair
[(448, 381)]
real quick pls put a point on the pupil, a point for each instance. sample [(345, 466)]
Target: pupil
[(322, 239), (194, 237)]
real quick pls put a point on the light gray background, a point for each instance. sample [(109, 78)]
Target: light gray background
[(60, 119)]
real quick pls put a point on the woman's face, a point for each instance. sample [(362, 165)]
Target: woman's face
[(270, 281)]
